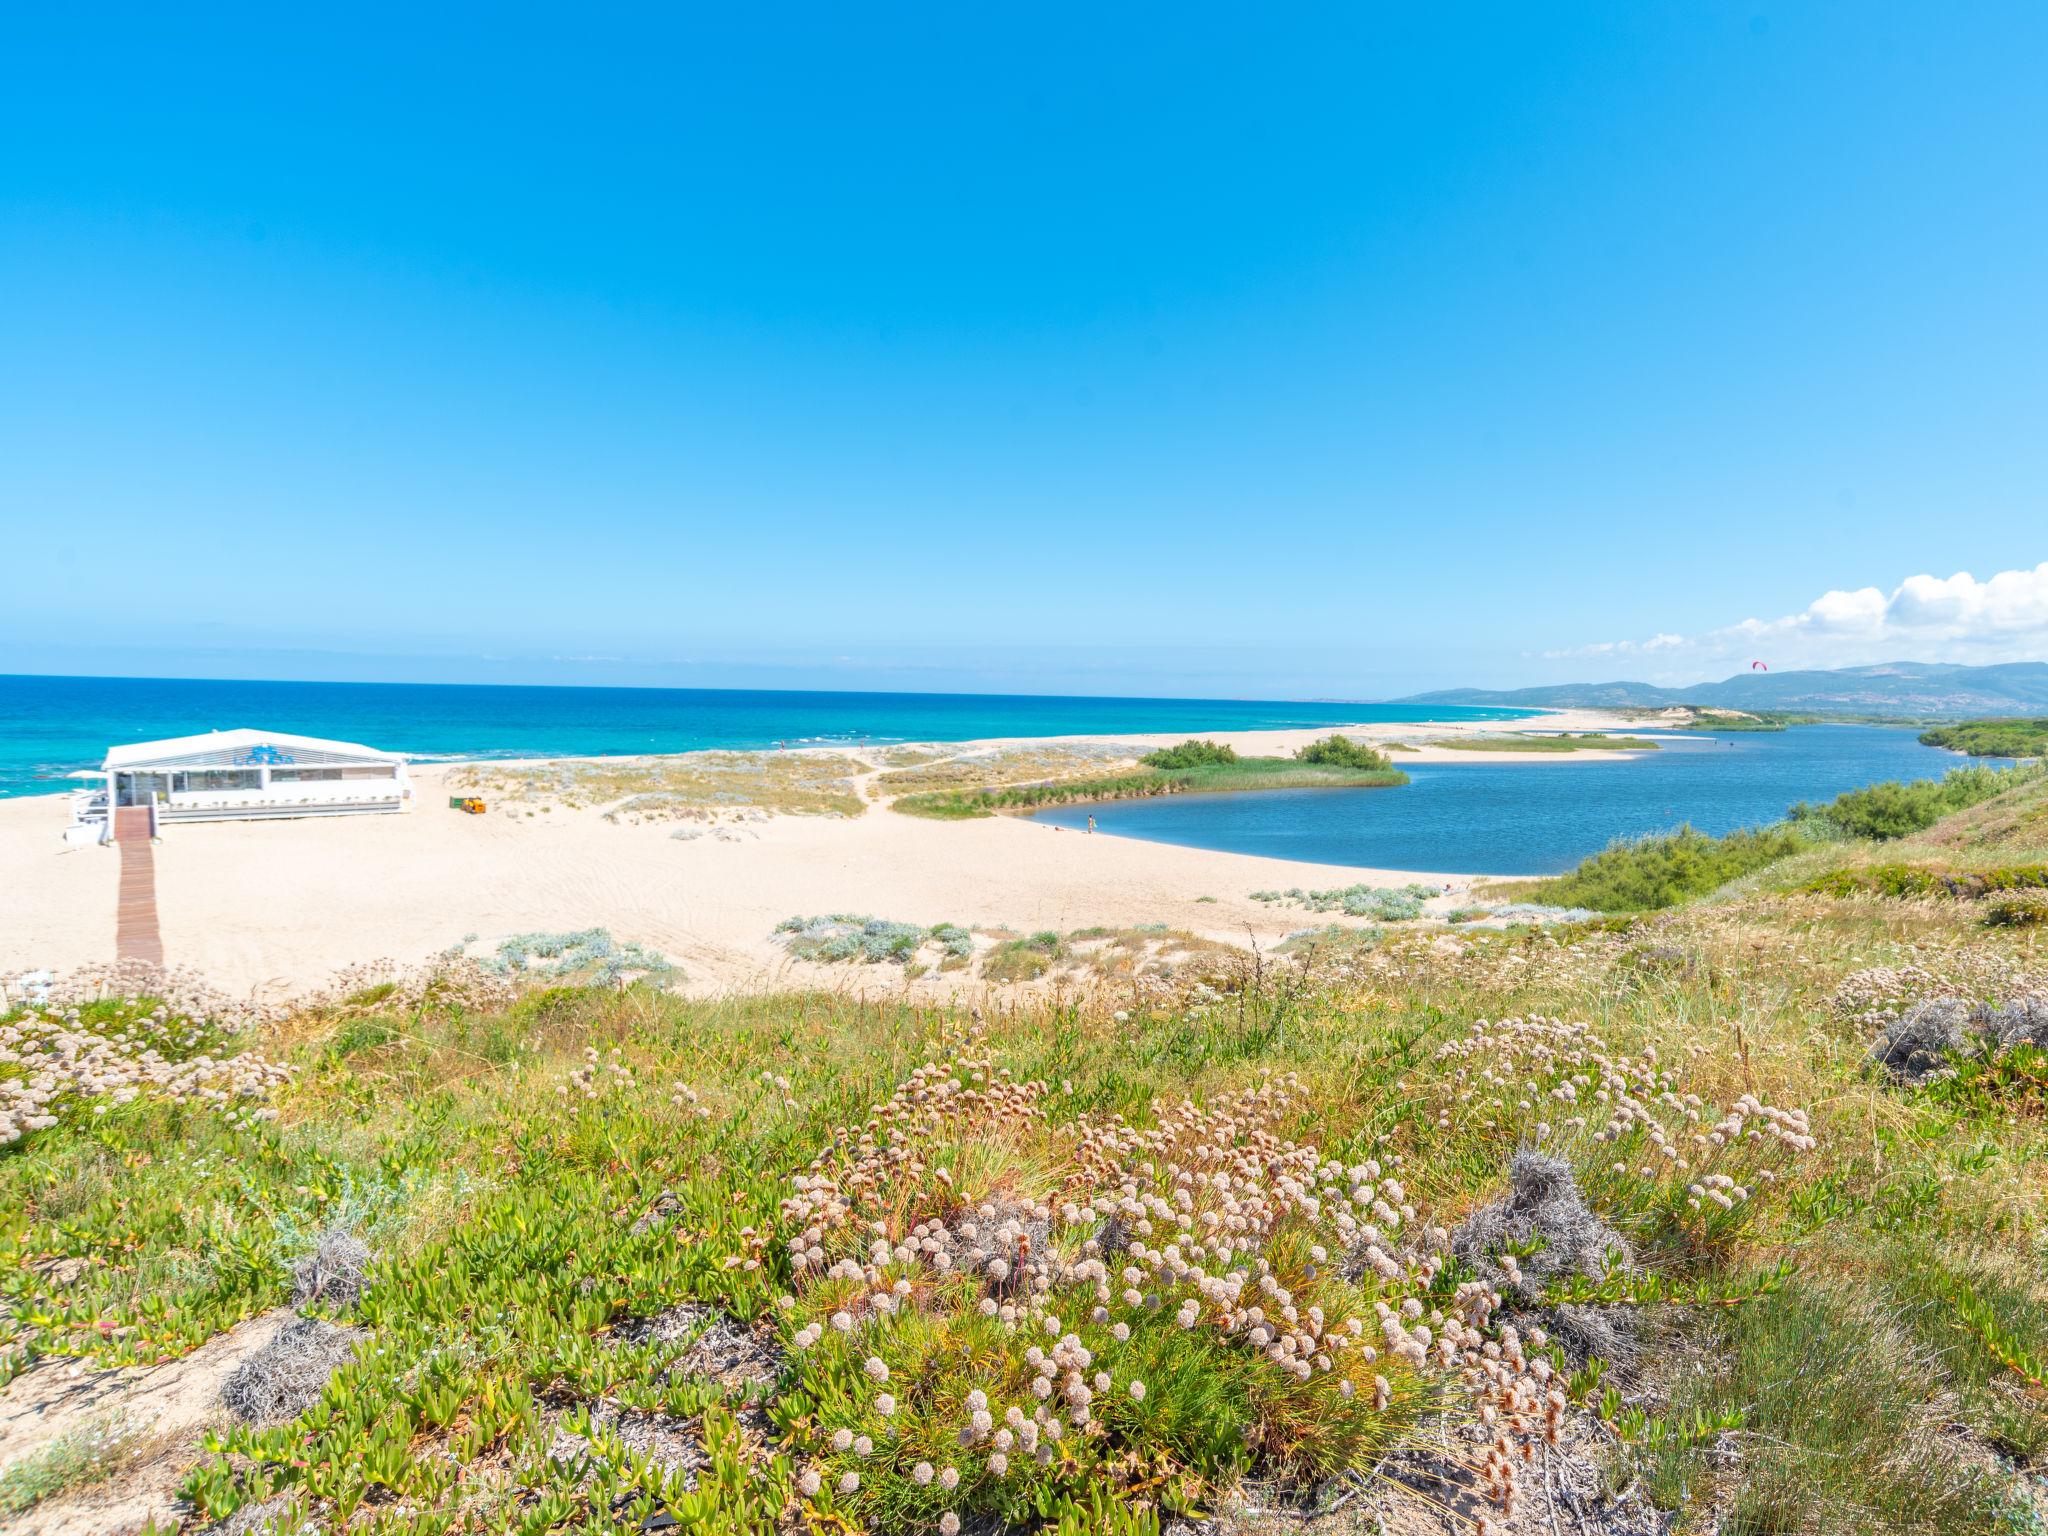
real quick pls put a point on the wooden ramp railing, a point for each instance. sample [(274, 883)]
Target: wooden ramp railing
[(136, 935)]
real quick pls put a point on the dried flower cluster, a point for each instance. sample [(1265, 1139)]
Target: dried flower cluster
[(451, 979), (1873, 997), (1647, 1144), (596, 1075), (62, 1063), (1065, 1256), (181, 991), (1405, 962)]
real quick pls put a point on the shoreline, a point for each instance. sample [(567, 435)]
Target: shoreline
[(274, 908), (466, 729)]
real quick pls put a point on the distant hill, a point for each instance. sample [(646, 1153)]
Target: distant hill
[(1890, 688)]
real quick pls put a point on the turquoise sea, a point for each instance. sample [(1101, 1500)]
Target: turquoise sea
[(50, 726)]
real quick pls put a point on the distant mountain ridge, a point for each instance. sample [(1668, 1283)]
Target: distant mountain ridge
[(1888, 688)]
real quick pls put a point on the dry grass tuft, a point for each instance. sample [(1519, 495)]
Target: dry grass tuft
[(333, 1274), (285, 1377)]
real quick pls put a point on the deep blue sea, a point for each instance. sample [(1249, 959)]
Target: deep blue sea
[(50, 726), (1536, 818)]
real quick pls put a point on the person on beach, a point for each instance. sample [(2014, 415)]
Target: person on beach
[(1091, 822)]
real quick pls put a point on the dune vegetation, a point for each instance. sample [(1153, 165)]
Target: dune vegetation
[(1727, 1217), (690, 785), (1192, 767), (1992, 738), (1003, 765)]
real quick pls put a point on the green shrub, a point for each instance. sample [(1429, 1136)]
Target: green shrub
[(1342, 752), (1992, 738), (1190, 754), (1893, 810), (1662, 871)]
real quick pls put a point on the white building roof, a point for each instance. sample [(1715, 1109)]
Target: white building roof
[(242, 749)]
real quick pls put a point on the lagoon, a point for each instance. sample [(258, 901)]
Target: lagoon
[(1533, 818)]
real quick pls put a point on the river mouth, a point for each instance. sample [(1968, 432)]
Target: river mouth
[(1538, 818)]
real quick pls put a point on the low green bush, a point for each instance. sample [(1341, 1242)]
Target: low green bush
[(1024, 959), (2013, 737), (1893, 810), (1651, 872), (1190, 754), (1342, 752), (1903, 880)]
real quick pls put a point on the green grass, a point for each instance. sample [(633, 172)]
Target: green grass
[(2004, 737), (1838, 1429), (1906, 880), (1211, 778), (964, 804), (1291, 773)]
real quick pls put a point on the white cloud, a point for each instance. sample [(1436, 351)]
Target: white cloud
[(1925, 618)]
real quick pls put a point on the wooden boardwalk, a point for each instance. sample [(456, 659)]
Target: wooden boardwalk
[(136, 936)]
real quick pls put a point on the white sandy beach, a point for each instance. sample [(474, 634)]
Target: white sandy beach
[(270, 908)]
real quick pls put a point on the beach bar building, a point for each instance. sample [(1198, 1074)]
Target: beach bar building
[(244, 776)]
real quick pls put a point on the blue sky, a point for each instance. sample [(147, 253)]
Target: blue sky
[(1194, 349)]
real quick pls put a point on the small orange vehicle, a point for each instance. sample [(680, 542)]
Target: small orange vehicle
[(468, 803)]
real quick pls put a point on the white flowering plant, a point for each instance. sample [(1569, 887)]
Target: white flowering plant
[(990, 1312)]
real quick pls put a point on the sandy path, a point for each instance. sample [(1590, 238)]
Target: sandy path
[(272, 907)]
